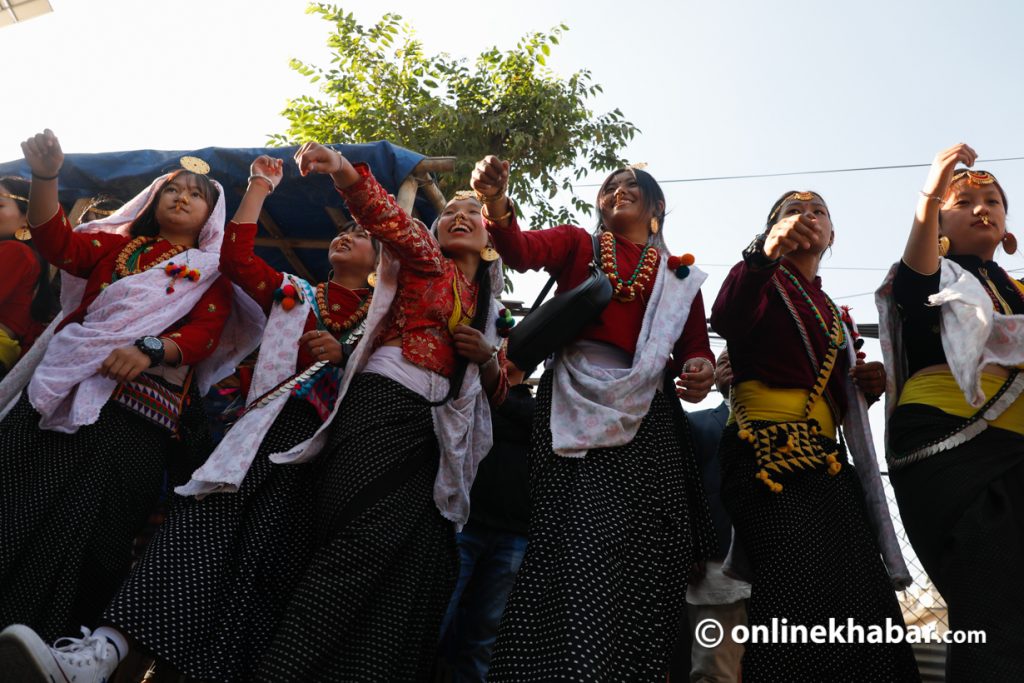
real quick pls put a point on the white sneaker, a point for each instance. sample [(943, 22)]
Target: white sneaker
[(25, 658)]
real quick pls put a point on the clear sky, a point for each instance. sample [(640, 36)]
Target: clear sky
[(717, 88)]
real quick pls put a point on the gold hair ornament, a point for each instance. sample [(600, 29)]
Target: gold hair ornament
[(195, 165), (798, 196), (974, 178)]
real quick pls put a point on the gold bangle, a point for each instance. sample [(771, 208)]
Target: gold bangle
[(484, 199), (503, 217)]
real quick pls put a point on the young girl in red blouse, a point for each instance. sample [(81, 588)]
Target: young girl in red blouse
[(618, 515), (113, 391), (396, 461), (26, 300), (232, 557)]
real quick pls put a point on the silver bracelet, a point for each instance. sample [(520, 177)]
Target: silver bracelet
[(493, 356), (930, 196), (701, 358), (270, 182)]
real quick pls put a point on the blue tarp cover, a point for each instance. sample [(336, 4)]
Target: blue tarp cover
[(297, 206)]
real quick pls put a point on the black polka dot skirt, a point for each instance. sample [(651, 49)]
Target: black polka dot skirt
[(370, 603), (209, 591), (613, 537), (71, 505), (814, 556)]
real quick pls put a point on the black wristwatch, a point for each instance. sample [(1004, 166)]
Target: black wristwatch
[(755, 257), (152, 347)]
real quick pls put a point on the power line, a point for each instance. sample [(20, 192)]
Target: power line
[(730, 265), (854, 296), (819, 172)]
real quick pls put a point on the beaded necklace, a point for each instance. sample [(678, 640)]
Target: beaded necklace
[(836, 338), (127, 262), (638, 281), (461, 313), (999, 304), (333, 326)]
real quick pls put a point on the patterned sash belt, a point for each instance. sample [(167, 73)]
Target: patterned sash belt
[(157, 401)]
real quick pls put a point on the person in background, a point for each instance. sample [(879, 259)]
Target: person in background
[(27, 301), (715, 595), (493, 542)]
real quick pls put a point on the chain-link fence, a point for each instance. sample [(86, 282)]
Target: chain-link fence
[(921, 602)]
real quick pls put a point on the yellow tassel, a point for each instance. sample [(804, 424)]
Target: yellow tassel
[(834, 468), (744, 434), (776, 488)]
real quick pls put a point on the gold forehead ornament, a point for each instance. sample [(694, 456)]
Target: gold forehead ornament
[(975, 178), (798, 196)]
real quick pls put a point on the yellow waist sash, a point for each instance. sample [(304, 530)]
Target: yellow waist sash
[(763, 402), (10, 351), (941, 391)]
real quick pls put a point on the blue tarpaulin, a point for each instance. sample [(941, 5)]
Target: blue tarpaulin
[(297, 206)]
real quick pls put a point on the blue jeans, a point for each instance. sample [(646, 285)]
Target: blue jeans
[(488, 562)]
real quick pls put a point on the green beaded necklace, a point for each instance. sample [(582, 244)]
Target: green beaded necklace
[(832, 341)]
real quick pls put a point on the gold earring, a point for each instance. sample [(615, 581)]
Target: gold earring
[(943, 245), (23, 234), (655, 226), (488, 253), (371, 280), (1010, 243)]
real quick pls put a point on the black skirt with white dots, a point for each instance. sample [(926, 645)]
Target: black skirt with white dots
[(71, 505), (370, 602), (209, 591), (613, 538), (814, 556)]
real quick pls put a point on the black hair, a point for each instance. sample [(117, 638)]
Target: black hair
[(44, 303), (145, 224), (652, 194)]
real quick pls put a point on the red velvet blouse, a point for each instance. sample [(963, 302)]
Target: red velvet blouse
[(426, 291), (239, 262), (566, 251), (764, 341), (91, 255), (19, 272)]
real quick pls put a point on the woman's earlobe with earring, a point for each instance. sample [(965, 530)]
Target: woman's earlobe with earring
[(1010, 243)]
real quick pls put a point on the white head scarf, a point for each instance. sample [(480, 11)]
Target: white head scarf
[(61, 368)]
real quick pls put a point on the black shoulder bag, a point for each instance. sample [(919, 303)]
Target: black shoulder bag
[(550, 326)]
